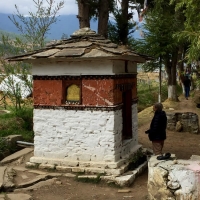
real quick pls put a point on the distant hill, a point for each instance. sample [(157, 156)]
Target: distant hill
[(66, 24)]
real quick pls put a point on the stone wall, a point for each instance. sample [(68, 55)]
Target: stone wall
[(69, 136), (185, 122)]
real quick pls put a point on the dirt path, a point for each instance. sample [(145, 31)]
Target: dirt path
[(183, 144)]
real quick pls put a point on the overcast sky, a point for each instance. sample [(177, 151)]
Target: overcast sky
[(8, 6), (24, 6)]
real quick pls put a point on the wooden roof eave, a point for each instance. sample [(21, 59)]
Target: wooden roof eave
[(134, 58), (126, 55)]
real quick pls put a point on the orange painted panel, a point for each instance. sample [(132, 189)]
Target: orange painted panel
[(97, 92), (93, 92), (47, 92)]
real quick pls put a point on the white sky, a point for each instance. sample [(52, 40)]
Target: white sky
[(24, 6)]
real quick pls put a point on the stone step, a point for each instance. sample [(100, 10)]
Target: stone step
[(16, 155), (18, 196)]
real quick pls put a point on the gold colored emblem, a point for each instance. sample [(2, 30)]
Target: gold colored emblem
[(73, 93)]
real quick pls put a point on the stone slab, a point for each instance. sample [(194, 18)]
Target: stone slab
[(39, 185), (33, 181), (16, 155), (37, 172), (2, 171), (123, 191), (195, 157), (69, 175), (19, 196), (87, 176), (20, 169)]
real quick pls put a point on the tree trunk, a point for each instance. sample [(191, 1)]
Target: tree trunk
[(83, 13), (124, 32), (171, 71), (181, 56), (103, 17)]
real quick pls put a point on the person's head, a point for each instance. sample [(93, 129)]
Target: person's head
[(158, 107), (186, 77)]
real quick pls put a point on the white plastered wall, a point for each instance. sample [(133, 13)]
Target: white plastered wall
[(81, 136), (98, 67)]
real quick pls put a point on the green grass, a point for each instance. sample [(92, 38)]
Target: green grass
[(148, 93), (20, 123)]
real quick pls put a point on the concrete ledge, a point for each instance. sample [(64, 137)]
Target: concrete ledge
[(127, 178), (116, 176), (16, 155)]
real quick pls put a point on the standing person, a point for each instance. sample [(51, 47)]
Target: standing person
[(187, 72), (157, 131), (187, 84)]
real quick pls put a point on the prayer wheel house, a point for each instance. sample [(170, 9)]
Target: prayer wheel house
[(85, 103)]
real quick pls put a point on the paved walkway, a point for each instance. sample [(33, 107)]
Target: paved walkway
[(16, 179)]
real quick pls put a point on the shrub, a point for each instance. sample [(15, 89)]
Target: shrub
[(20, 123), (138, 158)]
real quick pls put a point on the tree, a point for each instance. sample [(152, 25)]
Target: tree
[(161, 23), (191, 30), (97, 9), (83, 13), (103, 10), (116, 28), (34, 28), (16, 82)]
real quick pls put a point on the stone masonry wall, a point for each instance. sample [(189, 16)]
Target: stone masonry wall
[(188, 121), (88, 136)]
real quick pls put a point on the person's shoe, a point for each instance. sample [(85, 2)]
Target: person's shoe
[(164, 157), (160, 157), (167, 155)]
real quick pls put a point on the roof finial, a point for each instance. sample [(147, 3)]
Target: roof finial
[(84, 31)]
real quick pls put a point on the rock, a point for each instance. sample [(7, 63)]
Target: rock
[(173, 185), (84, 31), (16, 155), (19, 196), (179, 126), (124, 191)]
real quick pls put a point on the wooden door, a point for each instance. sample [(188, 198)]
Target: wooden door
[(127, 114)]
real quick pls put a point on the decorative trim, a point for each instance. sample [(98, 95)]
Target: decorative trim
[(125, 86), (81, 107), (120, 76)]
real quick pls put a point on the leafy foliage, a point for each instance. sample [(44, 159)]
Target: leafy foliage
[(148, 93), (116, 28), (33, 31), (160, 25), (137, 159), (35, 28), (11, 71), (190, 34), (19, 123)]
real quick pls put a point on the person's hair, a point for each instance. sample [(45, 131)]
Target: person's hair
[(158, 106), (186, 77)]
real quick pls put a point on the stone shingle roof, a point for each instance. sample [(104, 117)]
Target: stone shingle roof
[(83, 44)]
